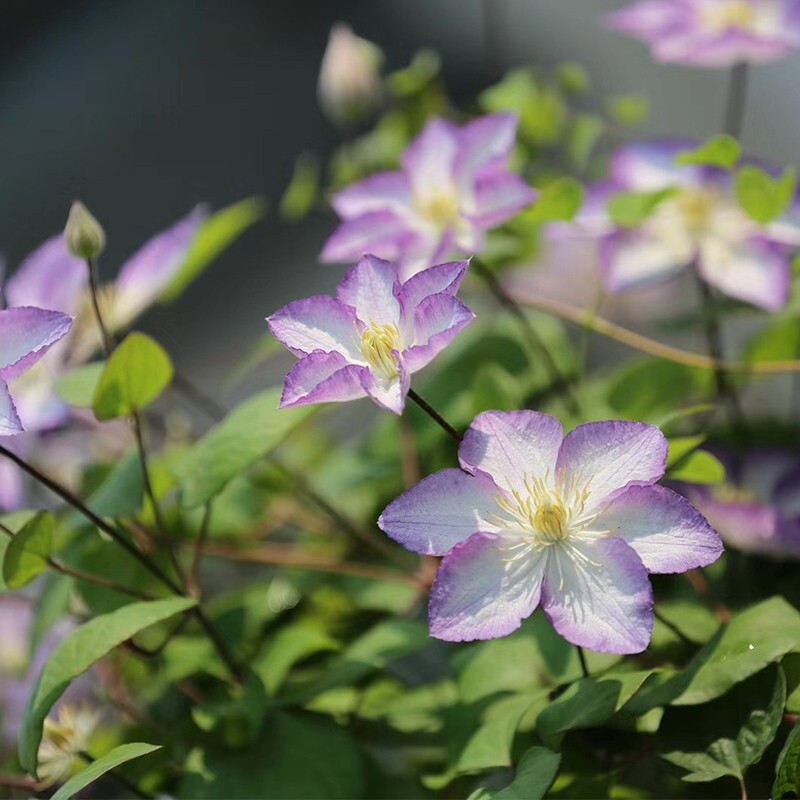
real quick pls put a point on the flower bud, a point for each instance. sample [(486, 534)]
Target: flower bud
[(349, 79), (86, 239)]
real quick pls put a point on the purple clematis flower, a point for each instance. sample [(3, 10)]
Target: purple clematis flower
[(758, 510), (370, 338), (713, 33), (700, 223), (574, 524), (26, 334), (453, 187)]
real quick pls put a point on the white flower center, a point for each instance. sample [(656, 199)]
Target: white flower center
[(441, 209), (377, 344), (722, 16), (696, 207)]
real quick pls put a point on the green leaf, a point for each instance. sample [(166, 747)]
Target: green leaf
[(100, 766), (629, 109), (121, 493), (698, 467), (584, 134), (290, 645), (560, 199), (77, 387), (629, 209), (590, 702), (681, 446), (573, 78), (535, 772), (787, 769), (303, 188), (763, 197), (779, 340), (719, 151), (28, 552), (136, 373), (218, 232), (726, 756), (245, 436), (75, 654)]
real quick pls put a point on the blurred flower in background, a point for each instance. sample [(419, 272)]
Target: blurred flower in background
[(713, 33)]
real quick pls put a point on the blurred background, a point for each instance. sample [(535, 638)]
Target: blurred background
[(143, 108)]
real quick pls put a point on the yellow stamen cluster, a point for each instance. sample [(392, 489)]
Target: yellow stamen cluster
[(695, 206), (441, 209), (737, 14), (377, 344)]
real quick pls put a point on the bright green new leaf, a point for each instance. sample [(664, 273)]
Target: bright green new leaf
[(787, 769), (303, 189), (629, 209), (629, 109), (217, 233), (28, 552), (75, 654), (137, 372), (681, 446), (763, 197), (559, 200), (99, 767), (719, 151), (77, 387), (779, 340), (535, 772), (246, 435), (583, 136), (698, 467)]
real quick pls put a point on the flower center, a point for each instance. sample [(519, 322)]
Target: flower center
[(441, 209), (695, 206), (378, 342), (722, 16)]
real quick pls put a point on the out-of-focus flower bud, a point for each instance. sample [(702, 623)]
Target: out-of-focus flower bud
[(86, 238), (349, 79), (64, 739)]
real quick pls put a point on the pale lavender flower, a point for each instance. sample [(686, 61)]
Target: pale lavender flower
[(713, 33), (453, 186), (370, 338), (574, 524), (699, 224)]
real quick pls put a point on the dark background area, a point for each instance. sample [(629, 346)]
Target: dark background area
[(143, 108)]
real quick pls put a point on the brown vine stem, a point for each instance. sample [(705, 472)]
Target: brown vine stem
[(435, 416)]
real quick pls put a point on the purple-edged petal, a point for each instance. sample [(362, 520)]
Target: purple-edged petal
[(429, 160), (385, 191), (483, 145), (599, 597), (26, 334), (508, 445), (437, 321), (497, 197), (382, 233), (388, 393), (480, 593), (10, 424), (146, 274), (751, 271), (441, 511), (630, 259), (316, 323), (650, 166), (445, 277), (613, 456), (645, 18), (371, 288), (322, 378), (49, 278), (667, 532)]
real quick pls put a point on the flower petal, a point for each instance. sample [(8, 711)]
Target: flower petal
[(445, 277), (752, 271), (322, 378), (479, 593), (26, 334), (441, 511), (497, 197), (667, 532), (316, 323), (484, 145), (371, 288), (388, 393), (650, 166), (629, 259), (148, 272), (385, 191), (599, 596), (49, 278), (508, 445), (9, 419), (429, 160), (382, 233), (613, 456), (437, 321)]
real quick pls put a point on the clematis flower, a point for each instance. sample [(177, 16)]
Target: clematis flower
[(713, 33), (573, 524), (758, 509), (26, 334), (699, 223), (370, 338), (453, 186)]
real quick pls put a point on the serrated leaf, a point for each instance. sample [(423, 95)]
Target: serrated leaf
[(246, 435), (763, 197), (76, 653), (137, 372), (787, 768), (560, 199), (100, 766), (629, 209), (721, 150), (698, 467), (77, 387), (218, 232), (27, 554)]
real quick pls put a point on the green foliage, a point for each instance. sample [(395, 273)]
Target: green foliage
[(77, 387), (718, 151), (303, 189), (630, 209), (134, 376), (559, 200), (787, 770), (698, 466), (29, 551), (98, 768), (629, 109), (763, 197), (536, 771)]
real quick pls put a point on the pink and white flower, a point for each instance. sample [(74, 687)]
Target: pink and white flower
[(453, 186), (713, 33), (574, 524), (371, 337)]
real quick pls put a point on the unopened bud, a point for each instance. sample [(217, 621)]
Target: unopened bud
[(86, 239)]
